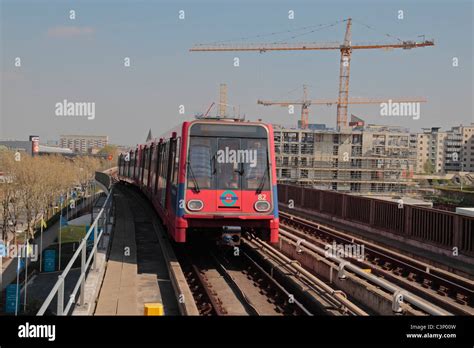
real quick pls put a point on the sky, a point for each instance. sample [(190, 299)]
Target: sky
[(82, 60)]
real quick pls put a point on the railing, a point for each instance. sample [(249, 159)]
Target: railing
[(104, 179), (399, 295), (440, 228), (100, 223)]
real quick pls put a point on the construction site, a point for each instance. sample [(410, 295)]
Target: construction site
[(375, 159), (352, 156)]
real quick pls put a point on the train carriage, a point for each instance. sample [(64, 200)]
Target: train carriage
[(210, 177)]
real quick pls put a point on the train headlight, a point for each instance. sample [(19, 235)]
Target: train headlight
[(195, 205), (262, 206)]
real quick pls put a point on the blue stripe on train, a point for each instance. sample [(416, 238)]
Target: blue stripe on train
[(180, 207), (275, 200)]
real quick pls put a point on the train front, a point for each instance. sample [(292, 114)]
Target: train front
[(230, 183)]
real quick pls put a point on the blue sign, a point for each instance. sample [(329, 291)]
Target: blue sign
[(63, 221), (49, 258), (20, 264), (229, 198), (12, 299)]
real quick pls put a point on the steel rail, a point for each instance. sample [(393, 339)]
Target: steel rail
[(399, 294)]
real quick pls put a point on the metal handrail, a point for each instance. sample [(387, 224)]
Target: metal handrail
[(58, 288), (393, 289)]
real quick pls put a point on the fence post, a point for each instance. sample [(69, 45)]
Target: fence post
[(320, 203), (408, 212), (457, 230), (372, 212), (302, 196), (344, 206)]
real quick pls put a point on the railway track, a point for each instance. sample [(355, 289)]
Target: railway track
[(254, 282), (450, 292), (224, 284)]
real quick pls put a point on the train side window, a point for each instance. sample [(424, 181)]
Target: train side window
[(165, 164), (157, 166), (144, 165), (135, 164), (149, 156), (160, 166), (176, 161), (164, 172), (153, 168)]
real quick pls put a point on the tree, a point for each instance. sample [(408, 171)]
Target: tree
[(428, 167), (31, 186), (108, 150), (8, 194)]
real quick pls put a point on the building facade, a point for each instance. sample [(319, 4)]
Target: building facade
[(375, 159), (445, 151), (83, 143)]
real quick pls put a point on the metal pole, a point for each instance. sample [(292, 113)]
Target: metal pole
[(26, 273), (60, 223), (60, 295), (67, 206), (83, 271), (17, 295), (92, 205), (95, 246), (41, 243)]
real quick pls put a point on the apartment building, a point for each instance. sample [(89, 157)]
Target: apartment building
[(83, 143), (446, 151), (372, 159)]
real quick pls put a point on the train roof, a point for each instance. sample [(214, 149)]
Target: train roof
[(179, 127)]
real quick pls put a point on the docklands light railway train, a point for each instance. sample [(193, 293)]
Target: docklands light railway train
[(211, 177)]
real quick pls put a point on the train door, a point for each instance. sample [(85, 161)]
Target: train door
[(228, 172)]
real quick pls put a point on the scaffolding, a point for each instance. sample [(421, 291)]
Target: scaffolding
[(377, 160)]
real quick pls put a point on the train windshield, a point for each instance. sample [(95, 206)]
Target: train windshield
[(223, 158)]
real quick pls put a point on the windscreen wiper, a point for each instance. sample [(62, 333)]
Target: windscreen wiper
[(213, 165), (262, 180), (193, 177)]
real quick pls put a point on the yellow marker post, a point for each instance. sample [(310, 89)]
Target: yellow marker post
[(153, 309)]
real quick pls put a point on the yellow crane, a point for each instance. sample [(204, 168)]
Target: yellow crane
[(345, 48), (305, 103)]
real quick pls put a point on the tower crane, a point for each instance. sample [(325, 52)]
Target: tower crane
[(345, 48), (305, 103)]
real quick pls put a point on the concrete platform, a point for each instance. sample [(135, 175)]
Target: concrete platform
[(119, 288)]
